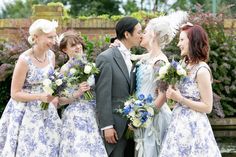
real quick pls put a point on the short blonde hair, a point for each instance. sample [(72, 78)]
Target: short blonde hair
[(41, 25)]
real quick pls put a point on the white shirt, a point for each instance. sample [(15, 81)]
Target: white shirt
[(126, 54)]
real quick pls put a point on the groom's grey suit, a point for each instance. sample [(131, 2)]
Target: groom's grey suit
[(113, 87)]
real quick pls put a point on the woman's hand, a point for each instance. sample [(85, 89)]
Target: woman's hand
[(55, 102), (44, 97), (173, 94), (83, 87)]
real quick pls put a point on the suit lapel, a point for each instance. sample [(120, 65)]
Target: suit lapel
[(121, 63)]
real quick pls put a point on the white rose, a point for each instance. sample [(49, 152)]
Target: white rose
[(48, 90), (181, 71), (162, 72), (91, 80), (132, 113), (150, 110), (47, 82), (58, 82), (136, 122), (57, 73), (72, 70), (87, 69)]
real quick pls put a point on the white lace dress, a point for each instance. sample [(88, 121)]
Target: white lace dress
[(25, 129), (148, 140)]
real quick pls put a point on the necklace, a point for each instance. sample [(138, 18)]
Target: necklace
[(40, 61)]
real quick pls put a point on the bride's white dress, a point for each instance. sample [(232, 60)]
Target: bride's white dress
[(148, 140)]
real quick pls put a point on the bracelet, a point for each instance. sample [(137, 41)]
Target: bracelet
[(182, 100)]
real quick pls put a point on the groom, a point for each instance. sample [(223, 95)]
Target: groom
[(114, 85)]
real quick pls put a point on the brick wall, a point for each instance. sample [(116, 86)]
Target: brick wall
[(93, 28)]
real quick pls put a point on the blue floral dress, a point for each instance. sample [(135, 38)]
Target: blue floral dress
[(25, 129), (148, 140), (80, 133), (190, 133)]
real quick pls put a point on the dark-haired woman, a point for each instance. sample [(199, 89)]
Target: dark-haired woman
[(80, 135), (189, 133)]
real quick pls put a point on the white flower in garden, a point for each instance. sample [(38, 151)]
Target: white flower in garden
[(91, 80), (47, 82), (87, 69), (94, 64), (48, 90), (180, 70), (58, 82), (72, 70)]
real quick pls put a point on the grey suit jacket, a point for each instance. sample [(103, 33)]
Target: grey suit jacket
[(113, 87)]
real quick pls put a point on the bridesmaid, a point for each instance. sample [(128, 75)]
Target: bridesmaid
[(190, 133), (25, 129), (80, 135)]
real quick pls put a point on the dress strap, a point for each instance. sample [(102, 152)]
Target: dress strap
[(26, 58), (202, 66)]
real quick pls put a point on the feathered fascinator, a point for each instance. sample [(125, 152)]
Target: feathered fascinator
[(166, 27)]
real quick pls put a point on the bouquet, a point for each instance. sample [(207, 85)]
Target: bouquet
[(171, 74), (53, 85), (139, 111), (81, 70)]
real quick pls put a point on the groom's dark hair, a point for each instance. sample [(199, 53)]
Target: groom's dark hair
[(125, 24)]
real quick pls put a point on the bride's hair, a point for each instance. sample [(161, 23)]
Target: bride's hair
[(166, 27)]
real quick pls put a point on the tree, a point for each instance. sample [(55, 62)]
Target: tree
[(94, 7), (130, 6), (21, 9)]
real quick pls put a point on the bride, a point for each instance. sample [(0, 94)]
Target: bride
[(158, 33)]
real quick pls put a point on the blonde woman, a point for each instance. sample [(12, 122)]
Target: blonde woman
[(25, 129)]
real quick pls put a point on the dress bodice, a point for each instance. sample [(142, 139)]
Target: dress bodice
[(188, 86), (147, 70), (35, 75)]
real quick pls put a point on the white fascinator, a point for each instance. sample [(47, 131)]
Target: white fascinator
[(166, 27)]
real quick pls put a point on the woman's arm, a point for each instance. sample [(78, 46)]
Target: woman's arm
[(204, 85), (18, 79), (83, 87)]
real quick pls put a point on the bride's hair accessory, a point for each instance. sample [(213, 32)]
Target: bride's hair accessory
[(59, 39), (187, 24), (166, 27)]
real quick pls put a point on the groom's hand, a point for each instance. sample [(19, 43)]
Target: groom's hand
[(110, 135)]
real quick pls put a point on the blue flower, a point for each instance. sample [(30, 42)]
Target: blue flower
[(126, 110), (141, 97), (174, 64), (51, 71), (149, 99)]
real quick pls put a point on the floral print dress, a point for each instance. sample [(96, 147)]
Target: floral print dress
[(190, 133), (80, 133), (25, 129)]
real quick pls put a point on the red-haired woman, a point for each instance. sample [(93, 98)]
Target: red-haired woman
[(189, 133)]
